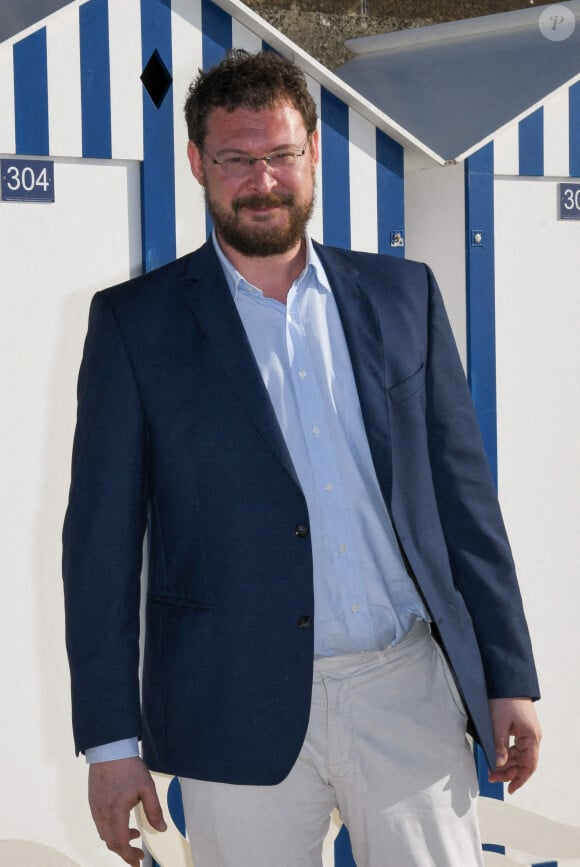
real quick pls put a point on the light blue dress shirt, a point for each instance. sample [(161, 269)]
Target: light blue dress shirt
[(363, 597)]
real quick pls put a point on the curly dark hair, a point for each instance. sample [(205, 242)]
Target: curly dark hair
[(244, 80)]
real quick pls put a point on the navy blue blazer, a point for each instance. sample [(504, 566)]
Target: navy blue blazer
[(176, 431)]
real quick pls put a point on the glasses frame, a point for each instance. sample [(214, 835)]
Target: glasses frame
[(246, 164)]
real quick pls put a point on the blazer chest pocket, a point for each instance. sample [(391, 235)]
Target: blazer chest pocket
[(402, 391)]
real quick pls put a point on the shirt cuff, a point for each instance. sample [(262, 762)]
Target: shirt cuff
[(125, 749)]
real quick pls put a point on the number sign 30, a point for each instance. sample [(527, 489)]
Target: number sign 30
[(27, 180), (569, 201)]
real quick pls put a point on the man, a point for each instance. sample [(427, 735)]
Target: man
[(331, 597)]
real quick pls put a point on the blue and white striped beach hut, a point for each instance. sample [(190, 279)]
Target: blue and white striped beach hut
[(497, 100), (96, 187)]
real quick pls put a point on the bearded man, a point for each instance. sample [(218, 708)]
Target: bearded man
[(331, 598)]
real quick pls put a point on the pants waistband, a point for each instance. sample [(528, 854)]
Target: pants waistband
[(419, 633)]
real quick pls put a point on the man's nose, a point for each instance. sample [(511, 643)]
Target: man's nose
[(261, 176)]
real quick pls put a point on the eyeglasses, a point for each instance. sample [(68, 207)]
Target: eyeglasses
[(276, 163)]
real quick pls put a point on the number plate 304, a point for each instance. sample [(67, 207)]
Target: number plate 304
[(27, 180)]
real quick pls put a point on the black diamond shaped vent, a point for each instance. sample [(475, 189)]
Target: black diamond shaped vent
[(156, 79)]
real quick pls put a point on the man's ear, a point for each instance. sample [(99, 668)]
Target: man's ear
[(315, 147), (195, 161)]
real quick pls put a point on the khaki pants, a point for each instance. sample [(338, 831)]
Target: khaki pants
[(386, 744)]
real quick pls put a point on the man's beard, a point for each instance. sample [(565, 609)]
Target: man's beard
[(260, 240)]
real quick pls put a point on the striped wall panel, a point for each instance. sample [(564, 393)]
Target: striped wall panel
[(72, 89), (546, 143)]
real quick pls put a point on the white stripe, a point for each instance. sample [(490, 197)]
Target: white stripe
[(187, 59), (7, 121), (316, 225), (126, 88), (363, 183), (64, 85), (242, 37), (506, 158), (556, 135)]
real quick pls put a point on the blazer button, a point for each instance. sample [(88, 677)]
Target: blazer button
[(305, 622), (302, 531)]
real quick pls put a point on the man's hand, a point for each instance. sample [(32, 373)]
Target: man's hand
[(114, 789), (517, 740)]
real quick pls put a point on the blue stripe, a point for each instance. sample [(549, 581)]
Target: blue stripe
[(479, 206), (31, 95), (95, 79), (158, 168), (531, 144), (574, 129), (481, 370), (390, 192), (491, 847), (216, 26), (481, 296), (342, 850), (175, 804), (335, 171), (486, 789)]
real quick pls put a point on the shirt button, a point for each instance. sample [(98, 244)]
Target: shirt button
[(328, 487), (315, 430), (342, 548), (302, 374), (354, 608), (301, 531)]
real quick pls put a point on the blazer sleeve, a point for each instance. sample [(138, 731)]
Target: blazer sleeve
[(103, 538), (479, 552)]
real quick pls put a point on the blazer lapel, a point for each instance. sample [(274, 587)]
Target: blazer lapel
[(365, 343), (211, 302)]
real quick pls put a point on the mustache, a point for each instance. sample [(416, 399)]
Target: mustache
[(270, 200)]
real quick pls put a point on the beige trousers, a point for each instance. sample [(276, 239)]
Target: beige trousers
[(386, 744)]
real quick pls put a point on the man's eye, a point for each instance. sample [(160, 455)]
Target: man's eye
[(282, 159), (235, 161)]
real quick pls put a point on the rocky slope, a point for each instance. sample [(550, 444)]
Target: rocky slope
[(321, 27)]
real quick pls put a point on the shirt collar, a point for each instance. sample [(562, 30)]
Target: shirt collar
[(313, 272)]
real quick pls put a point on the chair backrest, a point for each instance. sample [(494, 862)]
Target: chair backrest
[(26, 853), (169, 848), (506, 824)]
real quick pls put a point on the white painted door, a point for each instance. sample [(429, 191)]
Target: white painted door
[(538, 396), (53, 257)]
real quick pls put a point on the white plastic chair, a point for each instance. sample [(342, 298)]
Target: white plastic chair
[(501, 823), (171, 849)]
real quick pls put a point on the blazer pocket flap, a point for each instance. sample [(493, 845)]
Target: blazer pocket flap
[(408, 387)]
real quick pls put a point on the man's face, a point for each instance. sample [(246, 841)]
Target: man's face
[(261, 211)]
